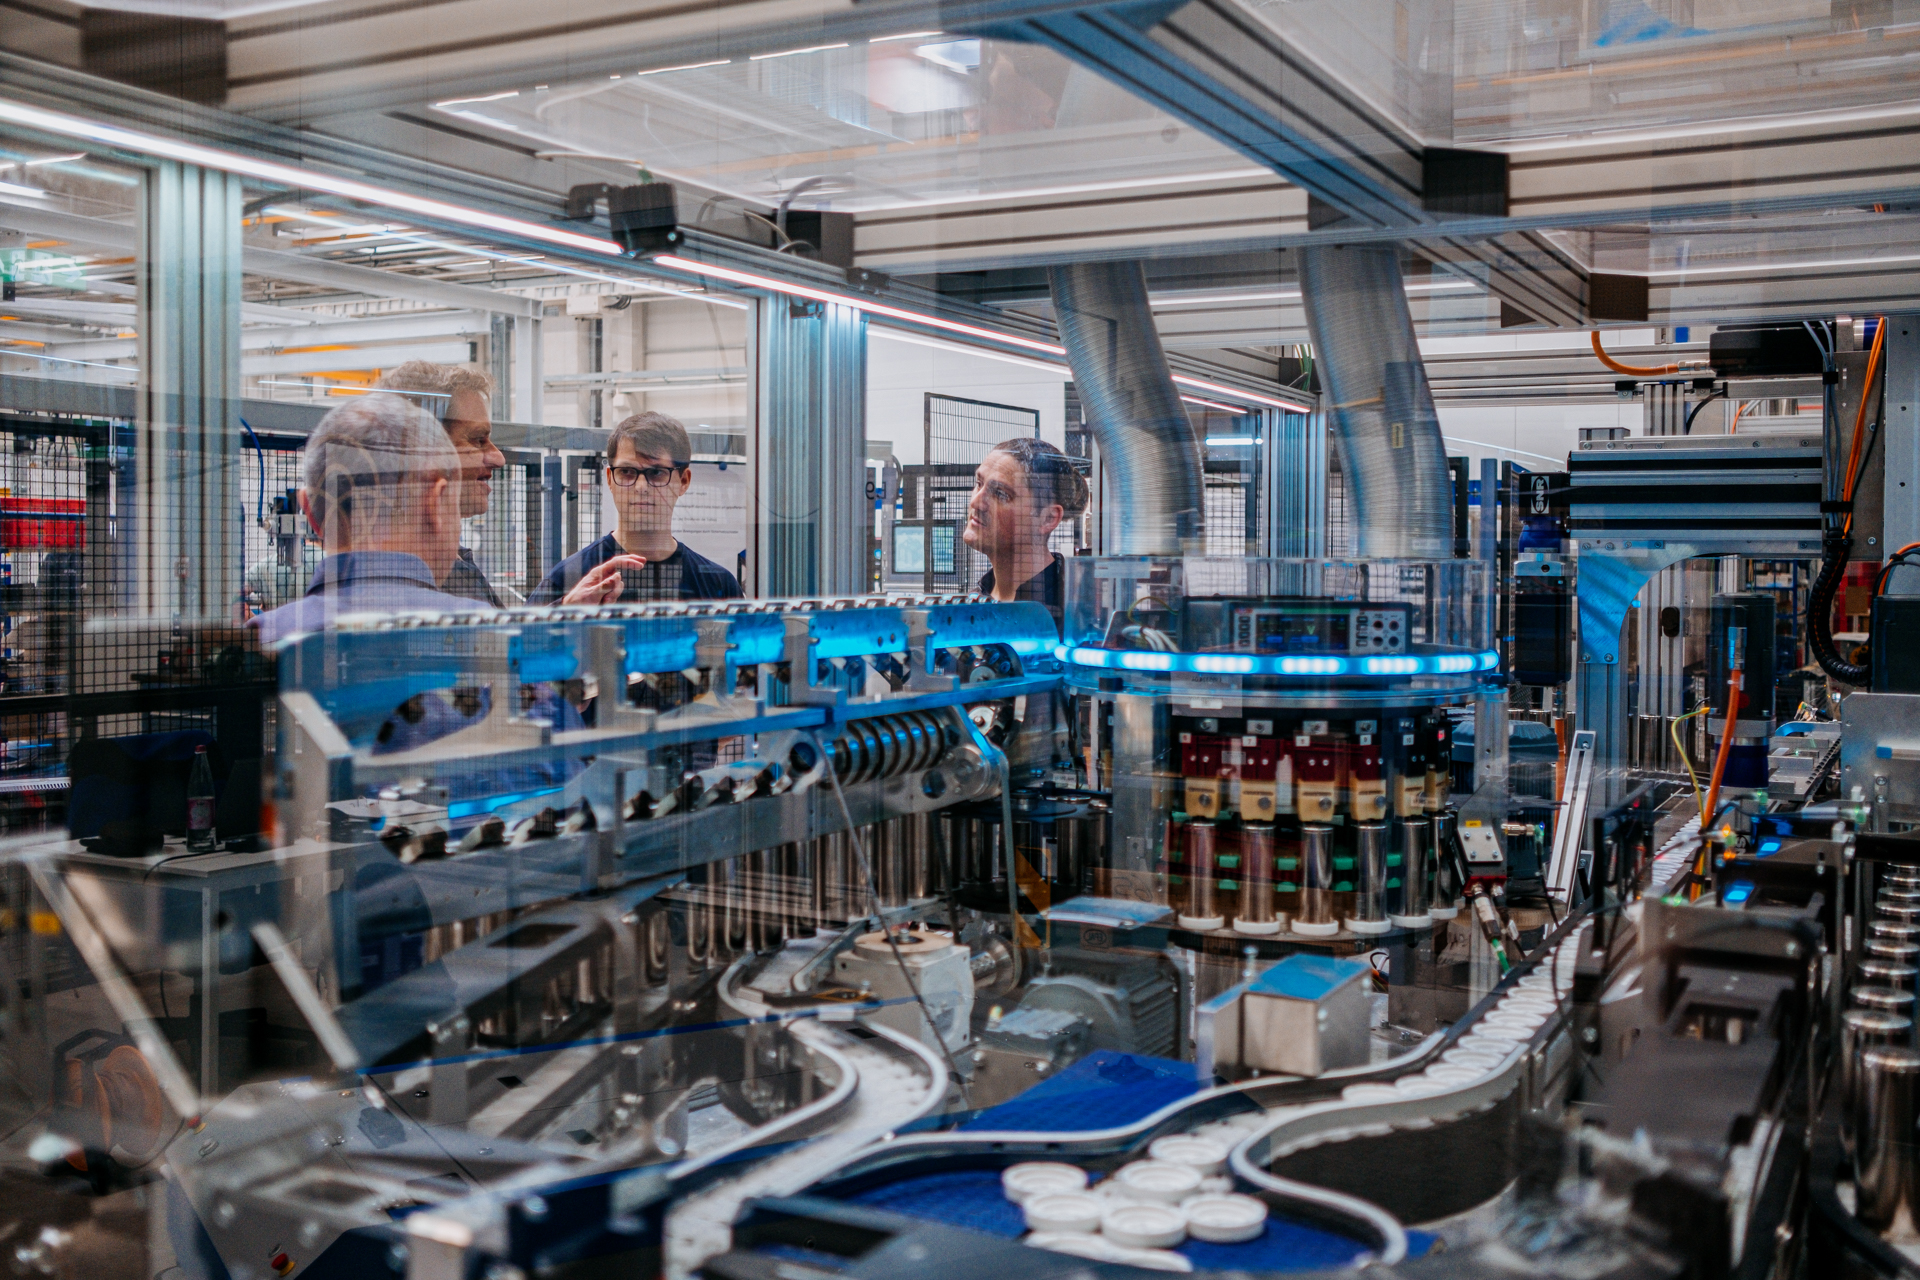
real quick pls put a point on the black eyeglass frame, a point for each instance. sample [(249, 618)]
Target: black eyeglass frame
[(664, 473)]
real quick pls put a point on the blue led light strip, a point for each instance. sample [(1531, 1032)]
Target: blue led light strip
[(1248, 664)]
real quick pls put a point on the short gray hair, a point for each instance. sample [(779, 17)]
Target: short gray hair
[(435, 385), (359, 464)]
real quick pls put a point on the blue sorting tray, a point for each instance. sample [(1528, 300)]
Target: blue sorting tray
[(972, 1199), (1103, 1090)]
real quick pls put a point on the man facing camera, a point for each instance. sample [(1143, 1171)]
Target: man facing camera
[(649, 467), (382, 489)]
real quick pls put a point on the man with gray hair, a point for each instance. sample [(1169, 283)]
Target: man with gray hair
[(383, 491), (457, 395)]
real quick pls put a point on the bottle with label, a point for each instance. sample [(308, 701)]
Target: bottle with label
[(200, 803)]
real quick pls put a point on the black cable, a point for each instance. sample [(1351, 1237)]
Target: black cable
[(1687, 428)]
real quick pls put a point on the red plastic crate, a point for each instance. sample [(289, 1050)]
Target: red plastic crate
[(43, 524)]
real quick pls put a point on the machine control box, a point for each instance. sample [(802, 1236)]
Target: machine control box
[(1281, 626)]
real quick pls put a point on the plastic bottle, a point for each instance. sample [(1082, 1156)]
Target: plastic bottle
[(200, 803)]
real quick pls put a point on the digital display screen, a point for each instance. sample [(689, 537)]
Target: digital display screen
[(1274, 631)]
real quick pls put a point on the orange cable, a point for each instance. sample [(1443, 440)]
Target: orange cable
[(1734, 680), (1738, 409), (1860, 421), (1631, 370)]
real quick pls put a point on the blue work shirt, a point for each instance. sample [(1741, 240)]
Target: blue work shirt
[(360, 582)]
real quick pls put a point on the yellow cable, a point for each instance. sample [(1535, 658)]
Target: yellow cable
[(1673, 730)]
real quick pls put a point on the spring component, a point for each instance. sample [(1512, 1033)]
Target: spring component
[(889, 746)]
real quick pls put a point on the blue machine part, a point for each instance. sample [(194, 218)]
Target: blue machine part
[(1305, 976), (360, 676), (972, 1199), (1108, 1089), (1737, 893), (1747, 764), (1105, 1089)]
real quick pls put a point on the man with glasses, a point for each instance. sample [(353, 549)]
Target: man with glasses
[(458, 396), (649, 468)]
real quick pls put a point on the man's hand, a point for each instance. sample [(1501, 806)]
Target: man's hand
[(602, 585)]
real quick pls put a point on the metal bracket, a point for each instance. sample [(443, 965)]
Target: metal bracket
[(1565, 857), (921, 677)]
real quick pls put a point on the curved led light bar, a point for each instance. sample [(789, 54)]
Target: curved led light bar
[(1248, 664)]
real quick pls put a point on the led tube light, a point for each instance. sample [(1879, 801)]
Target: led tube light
[(1247, 664)]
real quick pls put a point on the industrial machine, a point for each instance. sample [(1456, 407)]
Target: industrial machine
[(726, 938)]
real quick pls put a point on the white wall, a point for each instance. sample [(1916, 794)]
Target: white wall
[(1537, 438)]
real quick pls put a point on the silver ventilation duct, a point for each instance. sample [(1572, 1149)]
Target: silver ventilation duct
[(1384, 424), (1147, 442)]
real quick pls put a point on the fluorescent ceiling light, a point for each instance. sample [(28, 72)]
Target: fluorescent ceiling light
[(15, 189), (788, 53), (290, 176), (1202, 384), (491, 97), (1082, 188), (1210, 404), (1224, 441), (859, 304), (687, 66), (873, 308), (1783, 266), (967, 349), (910, 35), (77, 155)]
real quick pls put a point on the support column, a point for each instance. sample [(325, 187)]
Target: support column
[(1296, 481), (1490, 709), (528, 380), (1901, 448), (188, 523), (811, 406)]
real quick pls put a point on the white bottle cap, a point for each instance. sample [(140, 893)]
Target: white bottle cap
[(1159, 1180), (1205, 1154), (1144, 1226), (1225, 1219), (1021, 1182), (1064, 1211)]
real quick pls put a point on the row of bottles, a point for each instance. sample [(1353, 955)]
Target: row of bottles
[(1310, 878), (1368, 769)]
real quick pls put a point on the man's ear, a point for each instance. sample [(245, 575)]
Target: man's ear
[(443, 503), (1050, 517)]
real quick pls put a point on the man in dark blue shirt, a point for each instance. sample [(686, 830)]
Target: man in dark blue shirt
[(649, 468)]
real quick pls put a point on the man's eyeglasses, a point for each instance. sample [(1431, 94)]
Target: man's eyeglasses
[(627, 477)]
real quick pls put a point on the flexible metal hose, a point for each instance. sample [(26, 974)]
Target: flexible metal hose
[(1384, 424), (1146, 439)]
